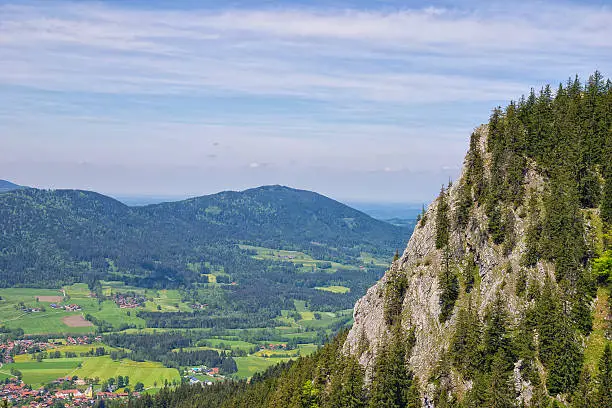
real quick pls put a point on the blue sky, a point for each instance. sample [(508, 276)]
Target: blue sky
[(359, 100)]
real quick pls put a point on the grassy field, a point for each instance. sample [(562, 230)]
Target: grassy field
[(40, 373), (308, 263), (151, 374), (50, 320), (230, 344), (334, 289), (247, 366)]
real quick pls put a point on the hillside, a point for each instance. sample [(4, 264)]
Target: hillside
[(8, 186), (52, 238), (492, 304)]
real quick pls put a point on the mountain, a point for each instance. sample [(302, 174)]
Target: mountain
[(8, 186), (55, 237), (502, 295)]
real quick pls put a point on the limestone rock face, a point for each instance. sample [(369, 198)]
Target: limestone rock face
[(422, 263)]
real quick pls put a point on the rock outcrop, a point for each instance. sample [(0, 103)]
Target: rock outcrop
[(422, 263)]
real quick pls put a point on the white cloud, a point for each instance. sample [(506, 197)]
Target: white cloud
[(383, 93)]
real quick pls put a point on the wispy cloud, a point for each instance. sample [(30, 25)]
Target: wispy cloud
[(259, 76)]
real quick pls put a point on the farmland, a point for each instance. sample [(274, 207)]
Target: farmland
[(151, 374)]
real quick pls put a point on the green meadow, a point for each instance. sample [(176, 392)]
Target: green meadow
[(247, 366), (151, 374)]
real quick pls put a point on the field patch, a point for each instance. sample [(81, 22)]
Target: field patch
[(76, 321), (40, 373), (334, 289), (247, 366), (151, 374), (50, 299)]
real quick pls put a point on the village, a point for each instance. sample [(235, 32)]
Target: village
[(11, 348), (15, 392)]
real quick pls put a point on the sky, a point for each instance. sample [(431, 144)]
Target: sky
[(359, 100)]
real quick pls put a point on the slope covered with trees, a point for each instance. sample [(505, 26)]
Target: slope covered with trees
[(51, 238)]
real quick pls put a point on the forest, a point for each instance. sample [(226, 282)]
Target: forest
[(53, 238)]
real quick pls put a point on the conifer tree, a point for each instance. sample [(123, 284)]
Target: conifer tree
[(501, 393), (348, 385), (560, 351), (606, 197), (449, 287), (442, 221), (584, 396), (533, 232), (465, 342), (495, 336), (604, 394), (391, 379), (475, 169)]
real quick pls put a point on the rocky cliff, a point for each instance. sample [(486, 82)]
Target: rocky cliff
[(422, 263)]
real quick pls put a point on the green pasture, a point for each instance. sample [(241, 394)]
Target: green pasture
[(296, 257), (334, 289), (40, 373), (247, 366), (151, 374)]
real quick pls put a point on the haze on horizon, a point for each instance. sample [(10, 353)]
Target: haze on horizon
[(357, 100)]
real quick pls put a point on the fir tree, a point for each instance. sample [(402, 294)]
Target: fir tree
[(464, 349), (501, 394), (584, 396), (496, 338), (449, 287), (606, 197), (604, 394), (442, 221), (391, 380)]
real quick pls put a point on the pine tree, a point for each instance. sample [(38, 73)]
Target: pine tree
[(584, 396), (606, 197), (604, 394), (581, 308), (501, 393), (563, 232), (391, 380), (475, 169), (464, 349), (533, 232), (496, 337), (464, 204), (470, 271), (449, 287), (442, 221)]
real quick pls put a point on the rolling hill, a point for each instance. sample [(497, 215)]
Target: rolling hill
[(8, 186), (56, 237)]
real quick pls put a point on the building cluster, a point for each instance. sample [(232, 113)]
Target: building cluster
[(16, 393), (129, 301), (11, 348), (83, 340), (73, 307), (271, 346)]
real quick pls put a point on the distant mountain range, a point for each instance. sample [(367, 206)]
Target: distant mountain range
[(8, 186), (53, 237)]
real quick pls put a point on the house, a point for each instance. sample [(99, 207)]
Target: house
[(65, 394)]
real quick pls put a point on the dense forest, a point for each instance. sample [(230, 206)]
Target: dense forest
[(57, 237), (563, 138)]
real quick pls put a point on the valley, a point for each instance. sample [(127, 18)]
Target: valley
[(201, 297)]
